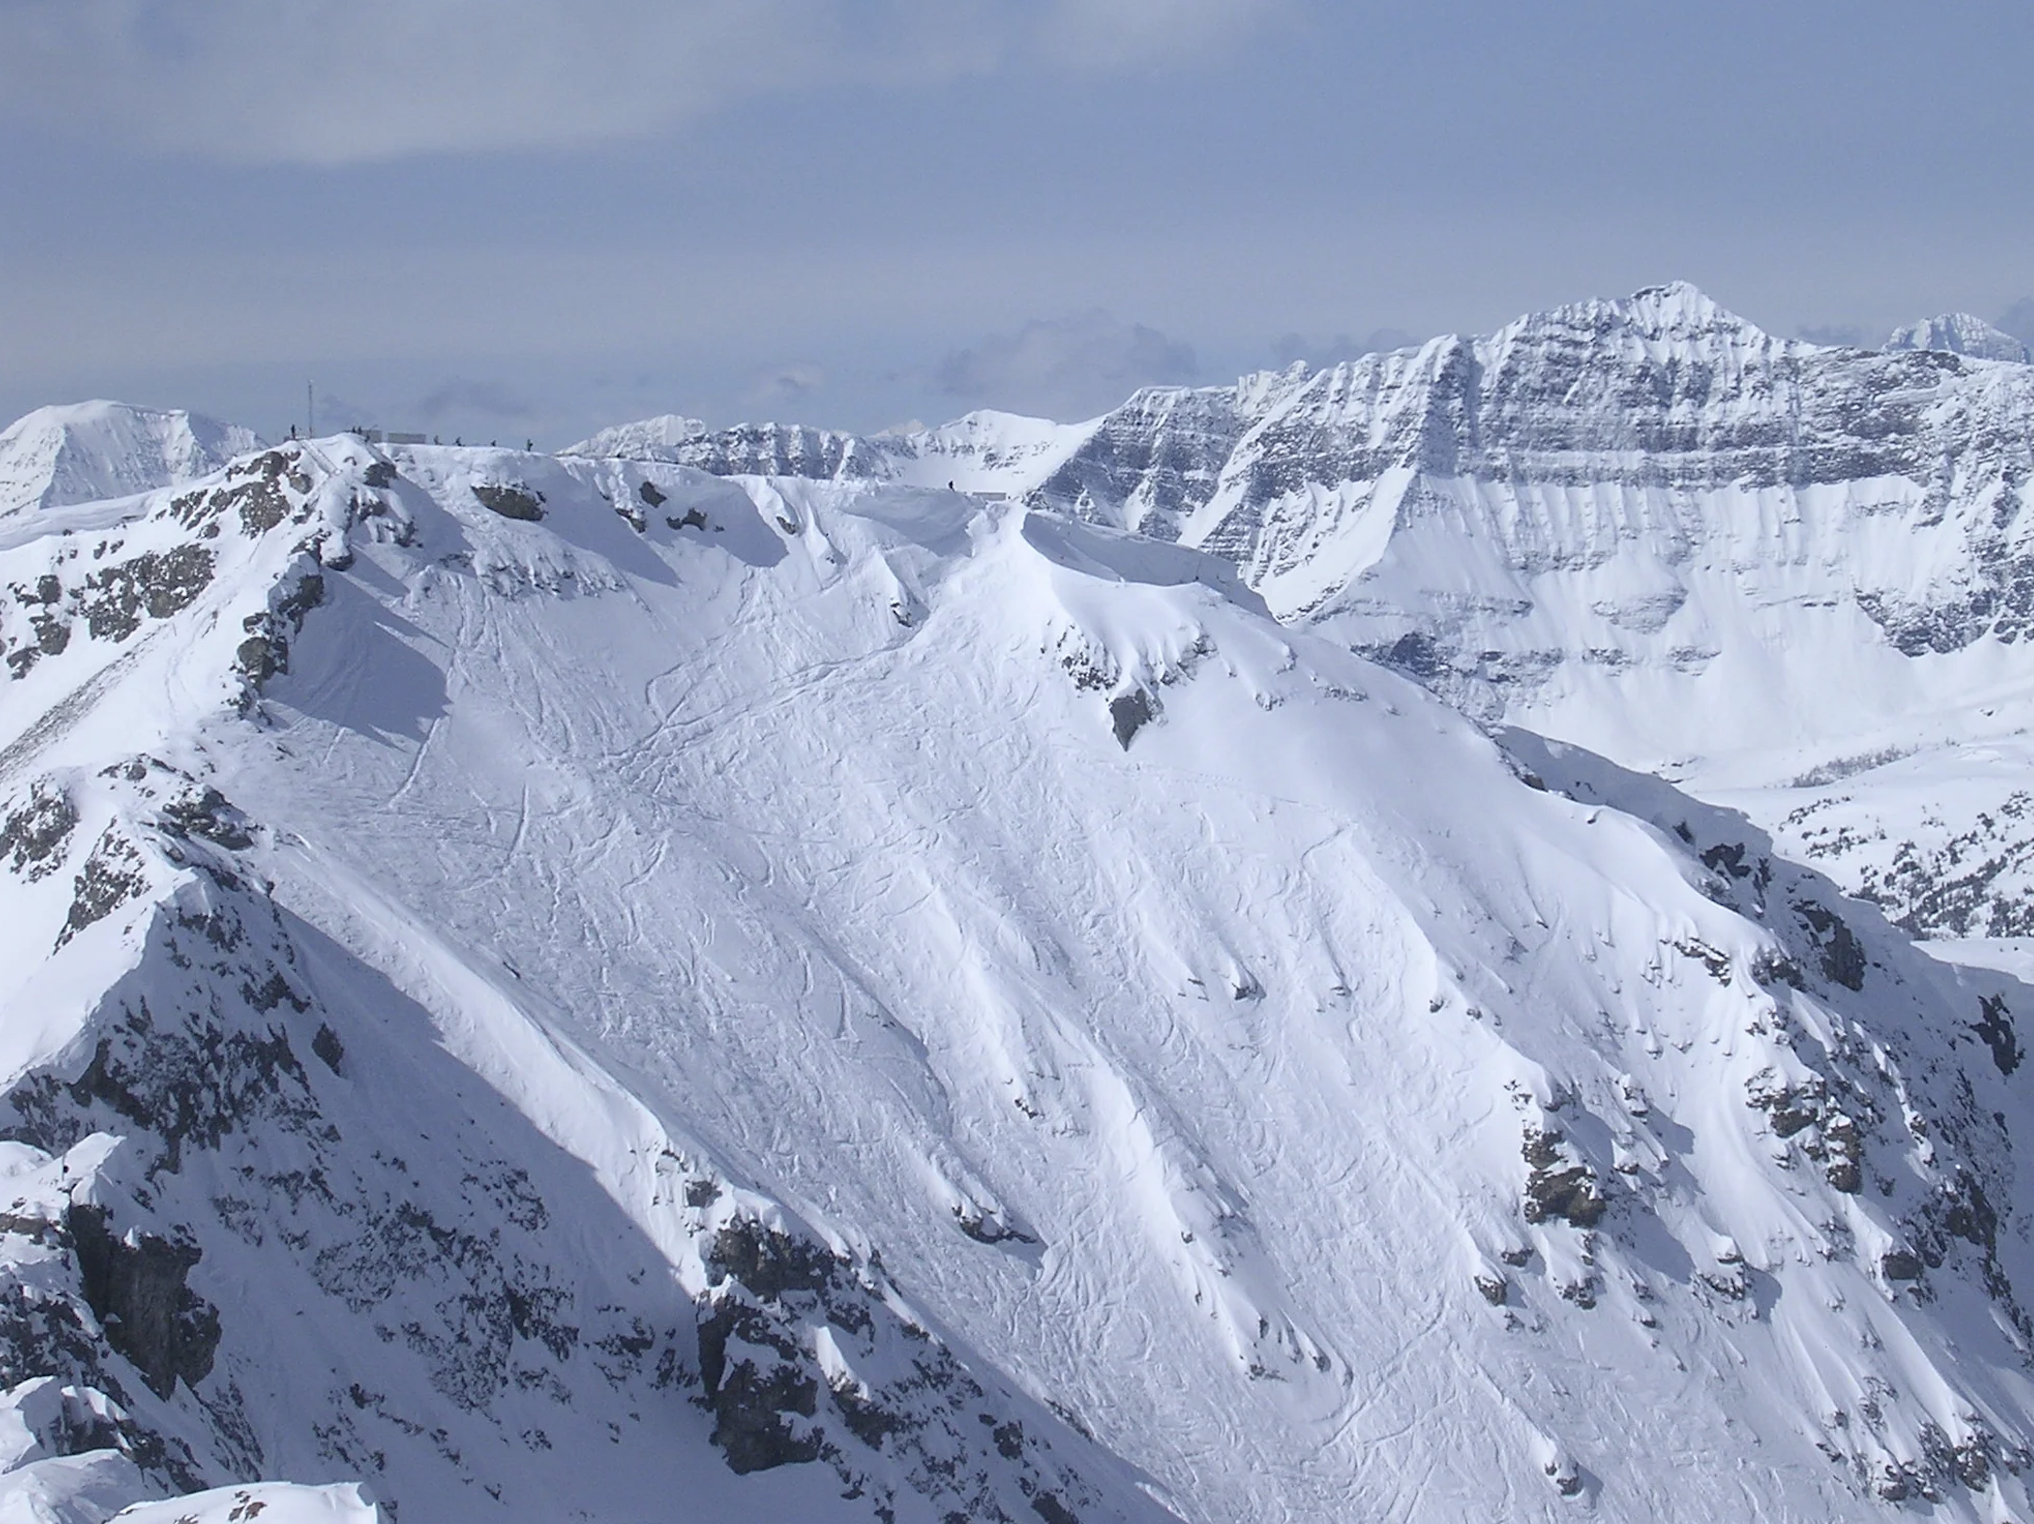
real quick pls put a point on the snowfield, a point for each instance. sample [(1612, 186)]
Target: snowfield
[(841, 999)]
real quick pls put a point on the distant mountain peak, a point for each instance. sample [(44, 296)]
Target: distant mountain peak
[(1678, 296), (82, 452), (1673, 310), (667, 431), (1960, 333)]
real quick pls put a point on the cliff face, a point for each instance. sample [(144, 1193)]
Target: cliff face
[(1639, 431)]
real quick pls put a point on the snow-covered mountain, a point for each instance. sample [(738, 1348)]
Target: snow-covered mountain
[(1651, 528), (546, 987), (998, 453), (1962, 334), (84, 452)]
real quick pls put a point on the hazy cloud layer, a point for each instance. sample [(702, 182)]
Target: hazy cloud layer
[(208, 202), (314, 81), (1065, 368), (1318, 354), (787, 386), (337, 411), (488, 399), (1114, 33), (2019, 321), (1840, 334)]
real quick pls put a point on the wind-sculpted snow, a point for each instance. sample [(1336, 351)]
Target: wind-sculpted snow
[(846, 1000)]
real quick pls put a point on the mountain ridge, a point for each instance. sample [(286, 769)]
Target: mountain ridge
[(1169, 981), (1262, 1091), (1645, 525)]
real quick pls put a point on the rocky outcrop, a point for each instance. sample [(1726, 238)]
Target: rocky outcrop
[(137, 1291)]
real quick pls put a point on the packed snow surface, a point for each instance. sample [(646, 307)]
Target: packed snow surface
[(551, 986)]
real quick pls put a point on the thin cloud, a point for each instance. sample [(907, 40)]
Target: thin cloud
[(338, 412), (486, 399), (786, 386), (1067, 367), (1113, 33), (304, 81), (2019, 321), (1320, 354), (1838, 335)]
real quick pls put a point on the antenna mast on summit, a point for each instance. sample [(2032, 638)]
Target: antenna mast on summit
[(310, 410)]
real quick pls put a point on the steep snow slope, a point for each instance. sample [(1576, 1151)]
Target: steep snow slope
[(296, 1203), (87, 451), (831, 998)]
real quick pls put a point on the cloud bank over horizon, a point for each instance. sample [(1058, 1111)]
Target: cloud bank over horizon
[(310, 82), (542, 216), (1065, 368)]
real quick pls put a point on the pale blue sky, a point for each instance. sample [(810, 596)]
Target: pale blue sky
[(510, 217)]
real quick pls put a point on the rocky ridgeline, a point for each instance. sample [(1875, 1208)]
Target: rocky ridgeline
[(271, 522), (1663, 395), (1645, 524), (1881, 1109), (251, 1123)]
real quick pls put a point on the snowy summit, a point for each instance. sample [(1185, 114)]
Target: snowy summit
[(1960, 333)]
